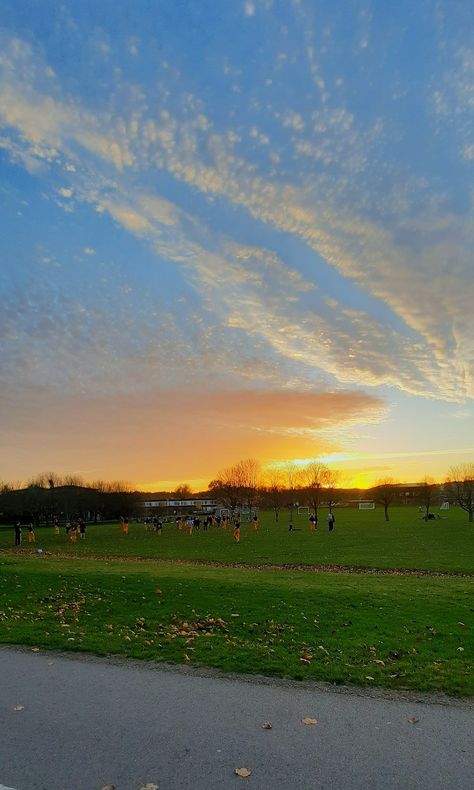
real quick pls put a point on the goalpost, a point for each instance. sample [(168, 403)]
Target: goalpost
[(303, 510), (366, 505), (444, 506)]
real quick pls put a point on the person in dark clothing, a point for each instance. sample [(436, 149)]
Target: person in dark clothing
[(17, 534), (331, 521)]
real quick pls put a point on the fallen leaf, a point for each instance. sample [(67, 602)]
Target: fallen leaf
[(413, 720), (379, 662), (19, 707), (307, 720), (242, 772), (267, 726), (35, 649), (369, 677), (461, 649), (108, 787), (186, 657), (463, 625)]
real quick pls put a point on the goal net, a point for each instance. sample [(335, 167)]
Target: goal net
[(303, 510), (444, 506), (366, 505)]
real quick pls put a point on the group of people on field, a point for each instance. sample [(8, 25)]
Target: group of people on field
[(190, 523), (77, 527), (74, 528)]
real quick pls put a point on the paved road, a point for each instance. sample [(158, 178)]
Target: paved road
[(88, 722)]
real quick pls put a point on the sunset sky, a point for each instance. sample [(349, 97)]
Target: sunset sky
[(236, 229)]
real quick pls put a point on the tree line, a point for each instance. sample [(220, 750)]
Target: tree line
[(315, 485), (241, 485)]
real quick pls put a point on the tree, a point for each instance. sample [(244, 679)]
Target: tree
[(183, 491), (226, 488), (291, 483), (383, 492), (460, 486), (426, 495), (275, 491), (330, 489), (319, 483), (249, 474)]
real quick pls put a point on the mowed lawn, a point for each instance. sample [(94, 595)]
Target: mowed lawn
[(361, 538), (396, 632)]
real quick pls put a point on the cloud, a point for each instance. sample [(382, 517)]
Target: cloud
[(413, 261), (176, 432)]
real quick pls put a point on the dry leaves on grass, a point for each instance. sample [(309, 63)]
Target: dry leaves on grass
[(242, 772), (307, 720), (19, 707), (267, 726), (148, 786), (413, 720), (108, 787)]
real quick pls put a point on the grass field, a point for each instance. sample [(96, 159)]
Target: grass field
[(395, 631), (361, 538)]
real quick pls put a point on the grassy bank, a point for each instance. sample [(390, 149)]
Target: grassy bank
[(397, 632)]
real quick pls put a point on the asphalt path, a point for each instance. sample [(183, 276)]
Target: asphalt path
[(83, 723)]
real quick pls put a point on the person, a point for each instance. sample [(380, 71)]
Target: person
[(31, 534), (159, 527), (82, 528), (290, 527), (56, 527), (255, 522), (190, 525), (313, 521), (237, 530), (73, 533), (197, 522), (225, 522), (18, 534), (331, 521), (125, 526)]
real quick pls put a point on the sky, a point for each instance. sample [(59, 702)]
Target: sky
[(233, 230)]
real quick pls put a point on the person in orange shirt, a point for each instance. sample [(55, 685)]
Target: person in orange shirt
[(73, 534), (237, 530), (225, 522), (125, 526), (255, 522), (31, 534), (190, 524)]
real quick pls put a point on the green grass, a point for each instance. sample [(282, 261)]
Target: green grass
[(403, 632), (360, 539)]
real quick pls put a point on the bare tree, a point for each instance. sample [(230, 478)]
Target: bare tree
[(332, 478), (426, 495), (275, 490), (383, 492), (249, 475), (291, 474), (227, 487), (319, 482), (460, 486), (183, 491)]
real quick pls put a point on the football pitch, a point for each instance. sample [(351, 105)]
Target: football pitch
[(109, 595)]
